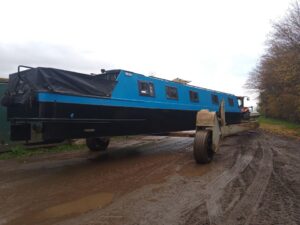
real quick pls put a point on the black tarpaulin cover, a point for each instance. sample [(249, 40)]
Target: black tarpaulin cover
[(23, 86)]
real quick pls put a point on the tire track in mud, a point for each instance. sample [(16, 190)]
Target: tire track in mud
[(290, 200), (243, 203), (215, 189), (281, 202), (246, 207)]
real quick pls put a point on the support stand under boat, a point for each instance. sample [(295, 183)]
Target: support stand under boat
[(211, 128)]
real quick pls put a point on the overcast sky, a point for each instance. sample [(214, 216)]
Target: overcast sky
[(214, 44)]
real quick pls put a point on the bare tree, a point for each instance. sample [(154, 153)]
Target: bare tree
[(277, 75)]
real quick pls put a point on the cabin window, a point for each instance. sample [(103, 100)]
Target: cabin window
[(215, 99), (194, 97), (230, 101), (172, 92), (146, 88)]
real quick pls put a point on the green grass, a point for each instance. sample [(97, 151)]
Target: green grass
[(279, 126), (19, 151), (283, 123)]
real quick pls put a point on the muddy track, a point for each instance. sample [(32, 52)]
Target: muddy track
[(246, 206), (254, 179)]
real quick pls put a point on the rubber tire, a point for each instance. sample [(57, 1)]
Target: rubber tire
[(97, 144), (203, 152)]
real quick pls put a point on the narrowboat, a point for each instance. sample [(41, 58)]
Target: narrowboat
[(60, 104)]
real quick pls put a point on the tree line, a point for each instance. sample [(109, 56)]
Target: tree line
[(276, 77), (3, 80)]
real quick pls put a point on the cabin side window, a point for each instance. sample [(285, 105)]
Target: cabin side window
[(194, 97), (215, 99), (230, 102), (172, 92), (146, 88)]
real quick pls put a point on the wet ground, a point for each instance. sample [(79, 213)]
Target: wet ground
[(253, 179)]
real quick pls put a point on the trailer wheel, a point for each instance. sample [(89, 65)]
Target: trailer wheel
[(97, 144), (203, 152)]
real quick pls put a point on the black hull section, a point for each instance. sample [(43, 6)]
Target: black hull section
[(63, 121)]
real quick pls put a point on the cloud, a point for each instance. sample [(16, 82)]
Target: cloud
[(46, 55)]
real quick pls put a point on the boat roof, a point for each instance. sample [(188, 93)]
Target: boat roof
[(172, 81), (152, 77)]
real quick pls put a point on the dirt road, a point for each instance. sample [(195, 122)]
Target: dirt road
[(253, 179)]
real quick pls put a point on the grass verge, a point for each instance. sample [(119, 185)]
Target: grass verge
[(19, 151), (279, 126)]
